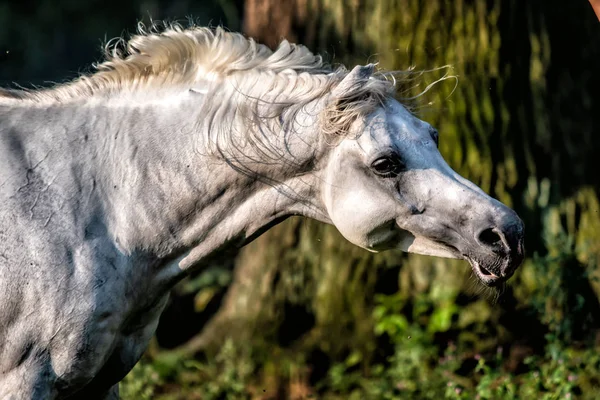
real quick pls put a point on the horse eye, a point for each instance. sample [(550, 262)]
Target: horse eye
[(387, 166)]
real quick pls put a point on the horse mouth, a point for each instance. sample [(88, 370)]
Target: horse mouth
[(483, 271), (485, 276), (485, 267)]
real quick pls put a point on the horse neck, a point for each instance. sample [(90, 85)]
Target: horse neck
[(165, 194)]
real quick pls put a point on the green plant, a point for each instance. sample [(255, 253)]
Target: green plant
[(141, 383)]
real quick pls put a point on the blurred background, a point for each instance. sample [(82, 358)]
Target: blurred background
[(300, 313)]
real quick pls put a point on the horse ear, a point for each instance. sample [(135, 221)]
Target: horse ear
[(347, 100), (355, 78)]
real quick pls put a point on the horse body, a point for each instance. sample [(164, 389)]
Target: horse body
[(70, 297), (114, 187), (92, 240)]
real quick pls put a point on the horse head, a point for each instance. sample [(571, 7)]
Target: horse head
[(386, 186)]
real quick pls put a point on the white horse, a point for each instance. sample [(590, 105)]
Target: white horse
[(115, 186)]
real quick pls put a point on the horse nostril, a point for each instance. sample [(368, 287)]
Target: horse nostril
[(490, 238)]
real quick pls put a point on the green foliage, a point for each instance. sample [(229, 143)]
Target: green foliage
[(416, 370), (140, 383), (226, 378)]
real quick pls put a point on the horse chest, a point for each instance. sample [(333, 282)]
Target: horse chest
[(115, 330), (107, 340)]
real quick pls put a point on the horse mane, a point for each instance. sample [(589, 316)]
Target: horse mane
[(173, 56), (164, 57), (176, 56)]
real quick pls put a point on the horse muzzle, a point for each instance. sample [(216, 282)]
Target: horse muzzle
[(499, 250)]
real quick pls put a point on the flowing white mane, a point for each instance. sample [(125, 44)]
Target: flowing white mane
[(175, 58), (178, 56)]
